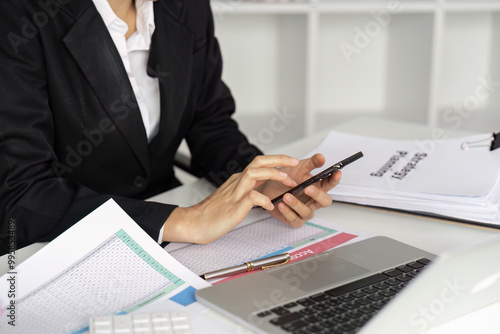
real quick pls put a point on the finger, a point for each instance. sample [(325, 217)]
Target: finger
[(319, 196), (250, 176), (301, 209), (278, 160), (290, 217), (331, 181), (313, 162), (258, 199)]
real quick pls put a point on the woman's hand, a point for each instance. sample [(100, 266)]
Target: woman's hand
[(230, 203), (295, 211)]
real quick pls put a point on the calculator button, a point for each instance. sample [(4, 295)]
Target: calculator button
[(160, 317), (122, 324), (102, 330), (140, 318), (162, 325), (142, 327), (101, 321)]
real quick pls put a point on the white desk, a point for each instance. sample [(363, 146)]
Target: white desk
[(433, 235)]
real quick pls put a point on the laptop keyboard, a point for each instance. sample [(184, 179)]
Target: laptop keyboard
[(344, 309)]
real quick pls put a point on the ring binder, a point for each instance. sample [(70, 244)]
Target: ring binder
[(494, 142)]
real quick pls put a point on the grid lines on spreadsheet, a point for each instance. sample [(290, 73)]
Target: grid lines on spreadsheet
[(97, 284)]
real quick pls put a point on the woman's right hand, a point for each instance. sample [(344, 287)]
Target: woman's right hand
[(229, 204)]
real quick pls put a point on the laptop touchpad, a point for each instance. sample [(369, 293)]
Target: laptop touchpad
[(317, 272)]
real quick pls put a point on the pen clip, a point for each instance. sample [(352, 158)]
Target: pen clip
[(277, 264)]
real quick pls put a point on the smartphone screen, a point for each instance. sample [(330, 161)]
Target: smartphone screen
[(318, 177)]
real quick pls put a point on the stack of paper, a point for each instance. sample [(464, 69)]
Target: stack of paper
[(436, 177)]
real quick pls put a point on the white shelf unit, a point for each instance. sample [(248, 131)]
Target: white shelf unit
[(296, 68)]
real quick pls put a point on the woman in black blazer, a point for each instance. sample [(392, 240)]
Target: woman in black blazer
[(72, 137)]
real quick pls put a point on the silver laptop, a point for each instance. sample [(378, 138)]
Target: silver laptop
[(353, 289)]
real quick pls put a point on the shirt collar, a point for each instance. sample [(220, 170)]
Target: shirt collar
[(145, 23)]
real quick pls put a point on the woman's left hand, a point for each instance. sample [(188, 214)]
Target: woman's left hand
[(296, 210)]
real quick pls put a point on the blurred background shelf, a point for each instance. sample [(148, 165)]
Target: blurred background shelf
[(299, 67)]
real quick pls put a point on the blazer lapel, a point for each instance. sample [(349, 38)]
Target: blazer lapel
[(170, 61), (92, 47)]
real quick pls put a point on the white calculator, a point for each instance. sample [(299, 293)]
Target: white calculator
[(150, 323)]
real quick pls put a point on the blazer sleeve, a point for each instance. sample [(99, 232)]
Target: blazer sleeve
[(32, 198), (218, 147)]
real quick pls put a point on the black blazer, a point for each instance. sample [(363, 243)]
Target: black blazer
[(71, 134)]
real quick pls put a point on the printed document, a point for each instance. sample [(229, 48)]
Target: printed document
[(428, 176)]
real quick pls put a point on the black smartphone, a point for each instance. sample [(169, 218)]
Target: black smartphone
[(320, 176)]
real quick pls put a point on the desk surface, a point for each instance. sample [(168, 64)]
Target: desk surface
[(433, 235)]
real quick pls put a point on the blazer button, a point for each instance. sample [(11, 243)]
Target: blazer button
[(139, 182)]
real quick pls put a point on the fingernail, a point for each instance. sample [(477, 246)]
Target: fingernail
[(294, 183), (309, 190), (294, 161), (287, 198), (283, 175)]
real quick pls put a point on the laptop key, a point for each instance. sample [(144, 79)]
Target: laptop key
[(306, 302), (405, 268), (347, 327), (392, 282), (363, 301), (416, 265), (358, 294), (328, 323), (369, 290), (393, 272), (334, 302), (346, 298), (351, 305), (286, 318), (367, 310), (320, 307), (314, 328), (300, 331), (295, 325), (264, 314), (355, 314), (342, 319), (388, 292), (404, 278), (376, 297), (356, 285), (424, 261), (319, 297), (339, 310), (280, 311), (412, 273), (312, 319), (326, 314), (308, 311)]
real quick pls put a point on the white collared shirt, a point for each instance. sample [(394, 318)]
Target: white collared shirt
[(134, 53)]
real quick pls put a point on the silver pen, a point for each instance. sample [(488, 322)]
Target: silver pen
[(268, 262)]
